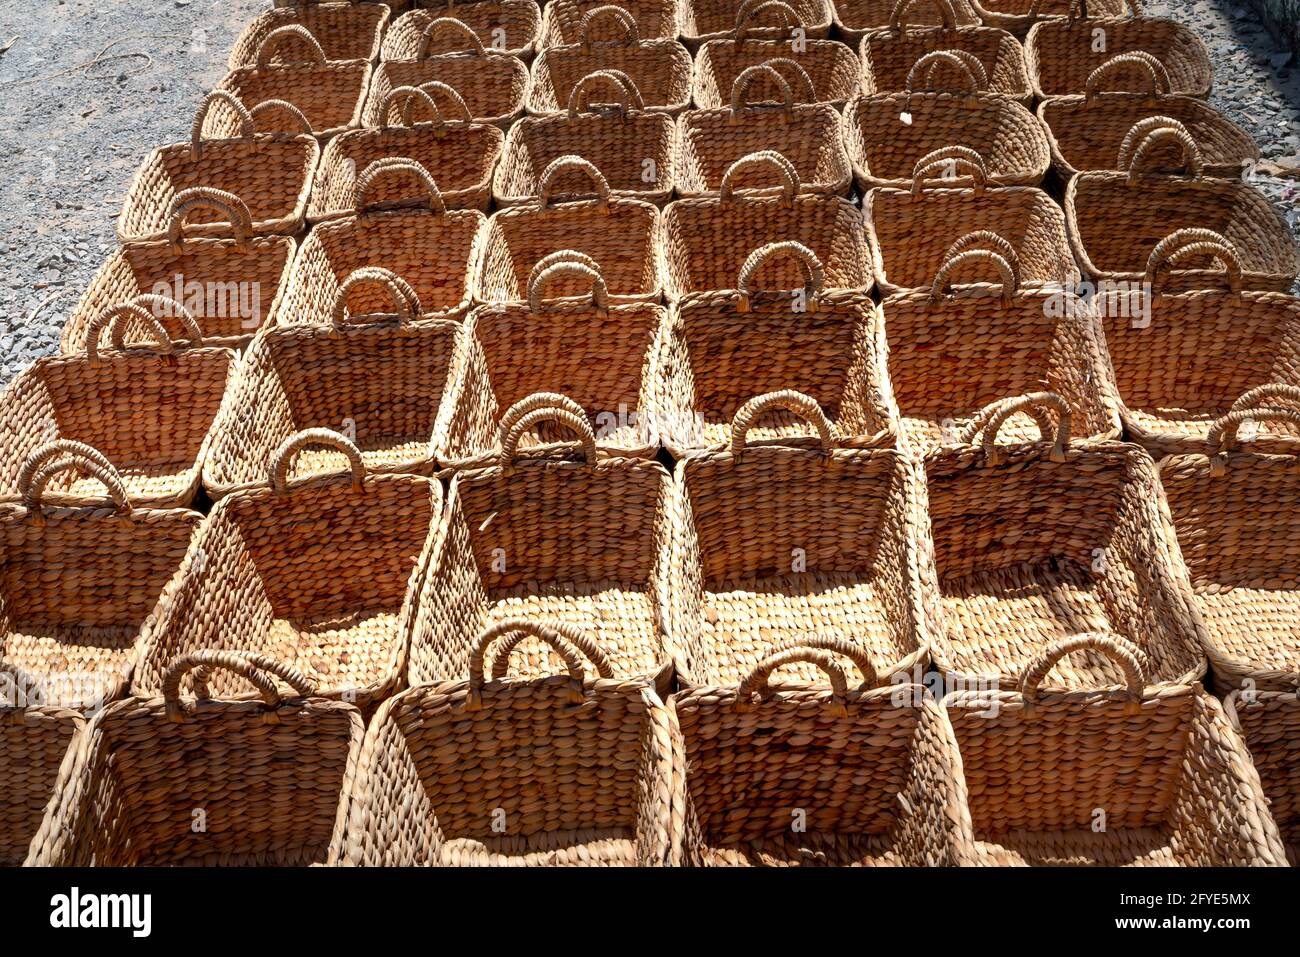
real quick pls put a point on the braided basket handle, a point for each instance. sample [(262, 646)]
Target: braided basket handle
[(630, 37), (1253, 398), (765, 161), (954, 157), (965, 65), (1138, 61), (282, 458), (1191, 154), (791, 69), (48, 460), (799, 403), (1115, 647), (459, 29), (1078, 9), (814, 277), (561, 263), (1222, 435), (389, 167), (942, 284), (898, 16), (746, 79), (1192, 241), (629, 97), (559, 256), (752, 10), (290, 33), (540, 407), (205, 197), (396, 107), (989, 420), (117, 317), (1139, 131), (755, 684), (400, 293), (288, 109), (257, 669), (838, 646), (988, 239), (222, 98), (571, 164), (430, 87), (566, 640)]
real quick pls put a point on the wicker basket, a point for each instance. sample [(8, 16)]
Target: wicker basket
[(1020, 16), (1115, 219), (807, 134), (910, 231), (1062, 54), (838, 776), (492, 83), (1181, 362), (660, 69), (190, 189), (618, 234), (706, 241), (1089, 131), (1035, 542), (1269, 723), (818, 71), (887, 135), (329, 94), (705, 20), (720, 348), (954, 351), (33, 741), (345, 31), (1134, 776), (323, 376), (149, 410), (562, 19), (550, 533), (164, 781), (318, 573), (855, 19), (79, 581), (512, 27), (604, 751), (634, 149), (890, 52), (463, 152), (431, 247)]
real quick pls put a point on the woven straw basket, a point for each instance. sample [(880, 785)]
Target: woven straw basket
[(889, 135), (79, 581), (1020, 16), (1131, 776), (952, 351), (617, 234), (604, 751), (603, 357), (562, 19), (854, 19), (890, 52), (317, 573), (550, 535), (33, 741), (818, 71), (432, 248), (229, 188), (512, 27), (872, 776), (149, 410), (660, 69), (1182, 362), (807, 134), (216, 783), (706, 241), (723, 347), (1062, 53), (1269, 723), (463, 152), (635, 150), (1115, 219), (324, 376), (911, 231), (291, 67), (493, 84), (774, 543), (704, 20), (345, 31), (1098, 129), (1037, 542)]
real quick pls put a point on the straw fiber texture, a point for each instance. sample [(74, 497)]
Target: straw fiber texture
[(1269, 722), (854, 19), (33, 741), (1020, 16), (511, 26), (345, 31), (562, 19), (704, 20)]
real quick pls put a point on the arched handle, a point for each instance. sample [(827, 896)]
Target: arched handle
[(989, 420), (571, 164), (766, 161), (966, 65), (566, 640), (1078, 10), (789, 68), (539, 278), (755, 684), (205, 197), (814, 277), (391, 166), (746, 79), (1191, 155), (942, 284), (559, 256), (1115, 647), (395, 108), (898, 16), (631, 35), (230, 101), (1143, 63), (288, 109), (804, 406), (118, 316), (954, 157), (257, 669), (1222, 435), (290, 33), (459, 29), (545, 407), (987, 239), (1262, 394), (629, 97), (752, 10), (61, 455), (400, 293), (1139, 131), (836, 645), (283, 457), (1193, 241)]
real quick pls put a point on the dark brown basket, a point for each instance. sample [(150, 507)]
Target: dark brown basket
[(1020, 16), (345, 31), (512, 27), (704, 20), (562, 19), (854, 19), (33, 742)]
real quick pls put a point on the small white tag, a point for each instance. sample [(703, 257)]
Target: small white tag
[(905, 118)]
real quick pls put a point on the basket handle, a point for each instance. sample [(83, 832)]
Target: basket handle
[(562, 265), (116, 318), (943, 277), (403, 297), (814, 277), (1139, 132), (257, 669), (1191, 154), (567, 641), (836, 645), (959, 157), (898, 16), (559, 256), (569, 164), (1254, 398), (1222, 435), (631, 35), (754, 9), (282, 458), (629, 97), (793, 69), (545, 407), (227, 99), (987, 239), (48, 460), (1079, 6), (989, 420), (1194, 241), (396, 166), (797, 402), (289, 110), (293, 32), (769, 161), (966, 65), (1115, 647), (458, 29), (205, 197), (755, 684), (1141, 61), (746, 79)]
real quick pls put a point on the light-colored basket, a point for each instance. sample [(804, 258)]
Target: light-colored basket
[(493, 84), (384, 380), (1035, 542), (432, 248), (1269, 723), (604, 750), (806, 134), (1115, 219), (655, 19), (318, 572), (955, 349), (33, 742), (215, 783), (79, 581), (553, 533), (1020, 16), (872, 777), (660, 69), (854, 19), (706, 241), (705, 20), (634, 149), (617, 234), (148, 409), (1116, 777), (512, 27), (190, 189), (722, 347), (910, 231), (345, 31)]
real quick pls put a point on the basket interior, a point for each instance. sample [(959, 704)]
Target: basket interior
[(344, 32), (832, 67), (1271, 727), (890, 56), (1064, 56), (661, 72), (491, 87), (31, 750), (617, 147), (808, 138), (328, 96)]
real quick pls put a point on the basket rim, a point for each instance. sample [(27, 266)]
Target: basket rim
[(381, 14)]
